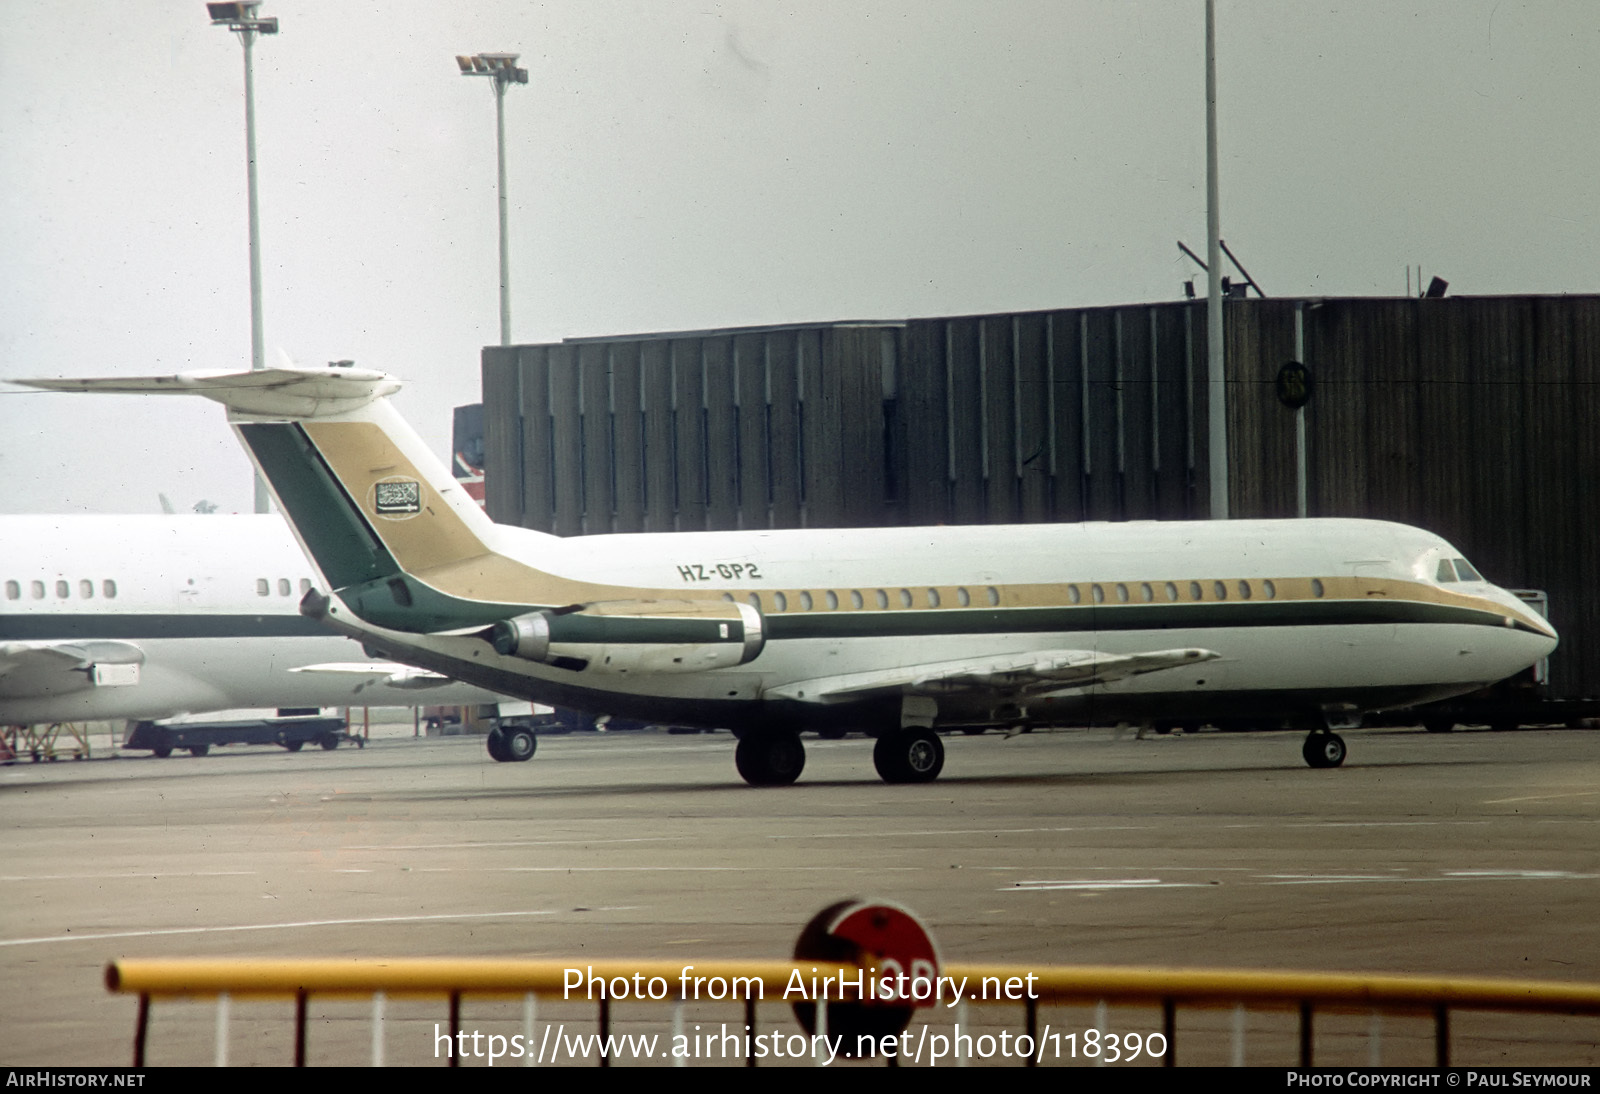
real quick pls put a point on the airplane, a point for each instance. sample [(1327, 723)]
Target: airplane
[(899, 632), (143, 617)]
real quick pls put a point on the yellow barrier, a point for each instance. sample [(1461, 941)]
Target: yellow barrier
[(1167, 988)]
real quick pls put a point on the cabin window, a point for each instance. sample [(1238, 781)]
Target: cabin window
[(780, 602), (263, 587), (1219, 590), (855, 600), (832, 599), (1122, 594), (1172, 591), (1073, 594), (994, 597), (1316, 587), (108, 589), (1195, 592), (933, 598), (86, 589), (1244, 590), (63, 590), (905, 598), (962, 598), (755, 601), (883, 600), (284, 588), (1447, 572), (1146, 593), (805, 602), (37, 589), (1465, 571), (13, 590), (1269, 590), (1098, 594), (728, 597)]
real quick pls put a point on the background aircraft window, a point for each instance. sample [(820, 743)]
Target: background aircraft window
[(905, 598), (1268, 589), (832, 599), (263, 587), (63, 590), (305, 585), (755, 600), (1122, 593), (37, 589), (1316, 587), (1447, 572), (13, 590), (1098, 594), (1244, 590), (728, 597), (933, 598), (108, 589), (86, 589), (1195, 592), (994, 597), (780, 602), (1146, 593), (883, 599), (855, 599), (1466, 572), (805, 602), (962, 598), (1219, 590), (284, 588), (1172, 591), (1072, 594)]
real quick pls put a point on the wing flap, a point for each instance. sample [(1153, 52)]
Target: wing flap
[(395, 675), (1011, 674)]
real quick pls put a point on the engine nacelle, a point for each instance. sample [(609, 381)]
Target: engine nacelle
[(636, 636)]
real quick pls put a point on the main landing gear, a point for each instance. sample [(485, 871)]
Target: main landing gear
[(770, 759), (1323, 748), (913, 755)]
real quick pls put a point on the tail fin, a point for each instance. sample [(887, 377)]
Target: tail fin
[(367, 498)]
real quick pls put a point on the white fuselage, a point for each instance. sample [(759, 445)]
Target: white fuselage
[(204, 609)]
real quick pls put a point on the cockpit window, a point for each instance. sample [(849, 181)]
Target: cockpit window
[(1465, 571), (1447, 572)]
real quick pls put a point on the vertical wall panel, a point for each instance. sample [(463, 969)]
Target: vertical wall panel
[(502, 434), (627, 440), (1134, 394), (964, 422), (1104, 501), (722, 435), (1064, 367), (538, 470), (750, 392), (855, 368), (566, 464), (923, 398), (659, 457), (690, 436), (997, 380), (783, 430), (1032, 416), (594, 404)]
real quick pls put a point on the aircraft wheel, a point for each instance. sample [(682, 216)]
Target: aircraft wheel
[(909, 756), (1323, 750), (519, 743), (328, 743), (770, 759), (496, 743), (294, 746), (199, 750)]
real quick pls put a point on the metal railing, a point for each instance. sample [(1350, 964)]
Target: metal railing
[(1167, 989)]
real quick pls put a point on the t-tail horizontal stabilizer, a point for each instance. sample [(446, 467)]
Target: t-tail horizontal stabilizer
[(273, 393)]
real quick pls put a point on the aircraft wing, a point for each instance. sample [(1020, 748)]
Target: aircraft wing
[(1023, 674), (29, 669), (391, 673)]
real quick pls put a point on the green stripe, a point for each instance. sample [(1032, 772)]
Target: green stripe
[(81, 627), (344, 545)]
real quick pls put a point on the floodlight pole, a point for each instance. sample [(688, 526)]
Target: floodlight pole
[(1216, 376), (241, 18), (502, 70)]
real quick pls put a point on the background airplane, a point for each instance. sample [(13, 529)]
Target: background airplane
[(146, 617)]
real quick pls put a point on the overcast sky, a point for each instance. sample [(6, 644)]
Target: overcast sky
[(682, 166)]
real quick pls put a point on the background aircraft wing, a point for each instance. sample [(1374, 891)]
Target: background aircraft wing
[(389, 672), (29, 669), (1034, 673)]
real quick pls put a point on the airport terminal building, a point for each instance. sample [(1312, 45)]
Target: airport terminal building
[(1473, 417)]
